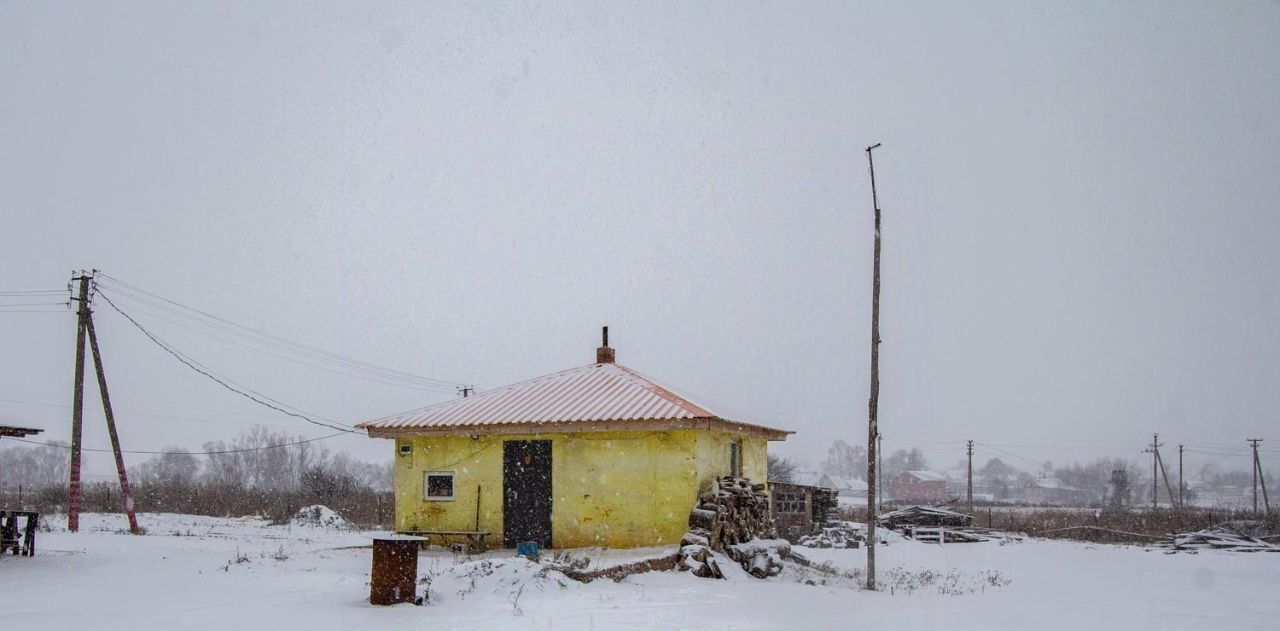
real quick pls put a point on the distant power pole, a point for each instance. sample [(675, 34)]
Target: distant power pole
[(1182, 496), (466, 391), (1257, 477), (969, 491), (1168, 488), (1154, 450), (873, 404)]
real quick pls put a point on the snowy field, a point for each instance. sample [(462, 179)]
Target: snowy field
[(195, 573)]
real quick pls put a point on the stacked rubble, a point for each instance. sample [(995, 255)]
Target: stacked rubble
[(1220, 538), (732, 512), (839, 534)]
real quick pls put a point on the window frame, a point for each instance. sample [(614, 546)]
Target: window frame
[(735, 457), (426, 486)]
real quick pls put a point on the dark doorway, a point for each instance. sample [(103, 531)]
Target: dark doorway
[(526, 498)]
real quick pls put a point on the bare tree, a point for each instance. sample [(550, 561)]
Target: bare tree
[(781, 469)]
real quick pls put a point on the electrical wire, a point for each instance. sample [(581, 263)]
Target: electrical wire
[(297, 360), (127, 410), (256, 397), (189, 453), (266, 339)]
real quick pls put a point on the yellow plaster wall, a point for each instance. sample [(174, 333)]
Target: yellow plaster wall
[(613, 489), (713, 452)]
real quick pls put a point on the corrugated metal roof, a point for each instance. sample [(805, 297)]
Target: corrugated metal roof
[(591, 393)]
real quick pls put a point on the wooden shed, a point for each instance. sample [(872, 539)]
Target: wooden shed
[(801, 509), (597, 455)]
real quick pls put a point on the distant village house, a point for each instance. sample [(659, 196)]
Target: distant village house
[(920, 487)]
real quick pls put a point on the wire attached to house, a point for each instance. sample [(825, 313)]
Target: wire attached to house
[(256, 397), (262, 341)]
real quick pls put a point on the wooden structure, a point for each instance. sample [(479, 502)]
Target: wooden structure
[(394, 577), (929, 516), (16, 537), (18, 432), (21, 540), (472, 539), (801, 509), (597, 455)]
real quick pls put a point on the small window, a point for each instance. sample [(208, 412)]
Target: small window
[(788, 503), (406, 449), (438, 486), (735, 457)]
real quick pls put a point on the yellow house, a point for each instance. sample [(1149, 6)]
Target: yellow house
[(591, 456)]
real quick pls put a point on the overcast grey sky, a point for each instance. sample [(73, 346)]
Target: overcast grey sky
[(1080, 203)]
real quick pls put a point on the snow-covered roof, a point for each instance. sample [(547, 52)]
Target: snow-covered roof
[(596, 396), (928, 476), (1052, 483)]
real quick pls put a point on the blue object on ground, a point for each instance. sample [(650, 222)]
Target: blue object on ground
[(527, 549)]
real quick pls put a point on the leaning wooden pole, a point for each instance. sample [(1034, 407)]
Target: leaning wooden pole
[(77, 410), (1168, 488), (126, 498), (873, 404)]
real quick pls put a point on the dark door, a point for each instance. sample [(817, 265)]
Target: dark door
[(526, 500)]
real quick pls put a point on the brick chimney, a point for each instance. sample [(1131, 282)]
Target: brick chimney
[(604, 354)]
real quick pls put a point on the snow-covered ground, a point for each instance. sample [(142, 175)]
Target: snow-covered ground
[(194, 573)]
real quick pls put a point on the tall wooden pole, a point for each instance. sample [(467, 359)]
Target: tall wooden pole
[(77, 409), (1182, 496), (1168, 488), (1155, 488), (1256, 468), (1262, 480), (873, 405), (969, 490), (126, 498)]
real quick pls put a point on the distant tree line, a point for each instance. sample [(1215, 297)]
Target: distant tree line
[(260, 472)]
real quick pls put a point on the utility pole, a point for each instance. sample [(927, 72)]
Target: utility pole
[(1168, 488), (1154, 450), (1182, 496), (126, 498), (85, 327), (969, 491), (873, 404), (1257, 477), (466, 391), (77, 406)]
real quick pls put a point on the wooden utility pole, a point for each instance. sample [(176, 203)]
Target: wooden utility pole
[(969, 491), (873, 404), (85, 327), (1182, 496), (1155, 454), (77, 407), (1257, 477), (1168, 488), (126, 498)]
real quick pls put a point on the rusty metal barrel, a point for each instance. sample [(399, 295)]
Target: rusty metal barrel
[(394, 578)]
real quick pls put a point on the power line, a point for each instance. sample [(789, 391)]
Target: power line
[(346, 372), (247, 393), (190, 453), (266, 339), (169, 416)]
